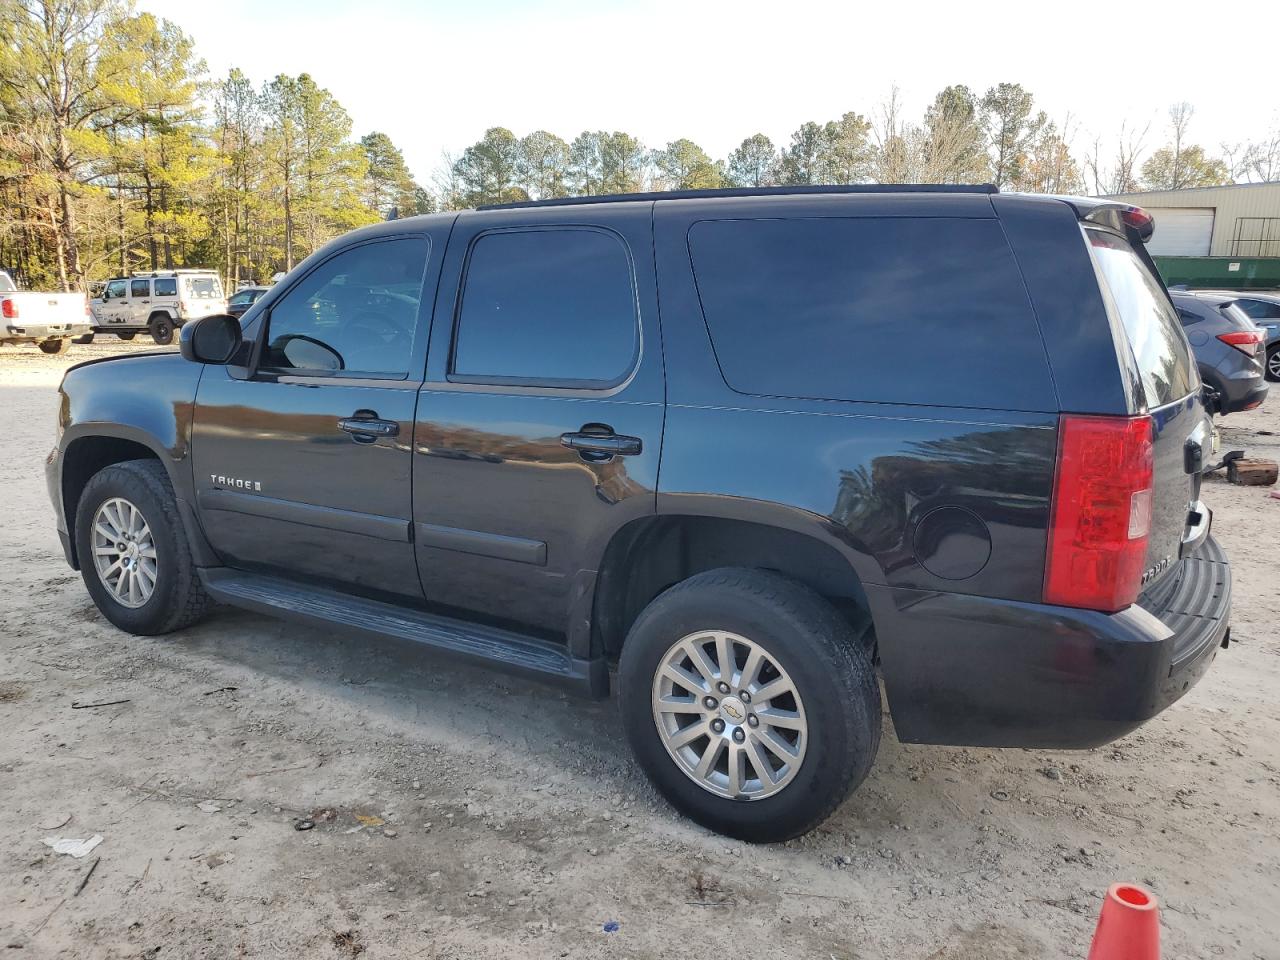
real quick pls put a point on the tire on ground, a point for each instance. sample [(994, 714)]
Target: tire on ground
[(161, 328), (55, 346), (831, 670), (127, 336), (179, 598)]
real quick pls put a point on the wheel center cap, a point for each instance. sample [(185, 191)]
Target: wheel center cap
[(732, 710)]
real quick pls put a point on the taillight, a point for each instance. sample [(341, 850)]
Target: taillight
[(1101, 512), (1246, 341), (8, 309)]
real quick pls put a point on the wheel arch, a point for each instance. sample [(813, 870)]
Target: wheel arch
[(650, 554)]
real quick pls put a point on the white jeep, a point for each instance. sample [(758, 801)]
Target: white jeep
[(157, 303)]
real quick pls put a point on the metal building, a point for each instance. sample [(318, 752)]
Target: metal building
[(1241, 220)]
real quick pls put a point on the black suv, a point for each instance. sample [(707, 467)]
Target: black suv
[(729, 451)]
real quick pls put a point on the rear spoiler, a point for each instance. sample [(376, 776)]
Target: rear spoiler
[(1134, 222)]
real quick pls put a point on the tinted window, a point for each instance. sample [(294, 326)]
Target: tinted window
[(115, 289), (1187, 317), (547, 306), (166, 286), (1150, 323), (203, 288), (244, 296), (356, 312), (139, 288), (1260, 309), (920, 311)]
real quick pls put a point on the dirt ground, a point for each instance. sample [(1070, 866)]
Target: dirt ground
[(459, 813)]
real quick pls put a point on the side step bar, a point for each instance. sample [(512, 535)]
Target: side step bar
[(318, 606)]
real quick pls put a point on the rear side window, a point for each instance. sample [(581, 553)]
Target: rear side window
[(166, 287), (1260, 309), (1150, 323), (550, 307), (140, 288), (892, 310)]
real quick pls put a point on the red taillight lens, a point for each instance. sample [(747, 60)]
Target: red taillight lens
[(1140, 220), (8, 309), (1246, 341), (1101, 512)]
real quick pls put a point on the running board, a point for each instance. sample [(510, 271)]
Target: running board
[(317, 606)]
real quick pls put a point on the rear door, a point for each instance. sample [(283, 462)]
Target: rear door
[(540, 425), (1171, 389)]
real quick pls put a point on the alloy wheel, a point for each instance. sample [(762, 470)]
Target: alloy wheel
[(124, 554), (729, 715)]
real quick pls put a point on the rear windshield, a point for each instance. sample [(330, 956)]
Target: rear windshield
[(882, 309), (1150, 323), (6, 285), (204, 288)]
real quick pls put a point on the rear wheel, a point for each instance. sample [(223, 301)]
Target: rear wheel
[(55, 346), (1273, 362), (161, 328), (749, 702), (133, 550)]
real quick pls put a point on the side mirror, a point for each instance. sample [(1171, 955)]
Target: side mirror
[(212, 339)]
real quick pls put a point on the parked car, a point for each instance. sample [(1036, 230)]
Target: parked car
[(469, 431), (49, 320), (1228, 347), (1263, 309), (243, 299), (157, 303)]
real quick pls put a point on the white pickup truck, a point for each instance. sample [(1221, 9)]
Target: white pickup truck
[(49, 320)]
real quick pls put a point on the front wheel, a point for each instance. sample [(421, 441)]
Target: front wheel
[(1273, 362), (162, 330), (55, 347), (749, 702), (133, 550)]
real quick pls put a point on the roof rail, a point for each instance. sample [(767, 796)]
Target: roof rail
[(177, 271), (985, 188)]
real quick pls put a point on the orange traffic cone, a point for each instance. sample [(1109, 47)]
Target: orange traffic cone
[(1129, 926)]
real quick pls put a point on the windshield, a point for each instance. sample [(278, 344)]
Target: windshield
[(1150, 323), (6, 283), (203, 288)]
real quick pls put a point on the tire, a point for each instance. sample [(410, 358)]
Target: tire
[(127, 336), (54, 347), (1273, 363), (837, 702), (86, 338), (161, 328), (177, 598)]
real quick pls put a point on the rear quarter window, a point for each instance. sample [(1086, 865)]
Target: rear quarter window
[(1151, 325), (892, 310)]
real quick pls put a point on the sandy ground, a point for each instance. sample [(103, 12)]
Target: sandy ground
[(504, 820)]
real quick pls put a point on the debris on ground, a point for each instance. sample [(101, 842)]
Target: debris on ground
[(209, 806), (349, 942), (85, 882), (1252, 473), (73, 847)]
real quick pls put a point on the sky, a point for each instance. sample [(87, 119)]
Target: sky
[(434, 75)]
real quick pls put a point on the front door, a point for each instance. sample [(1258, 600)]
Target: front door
[(108, 310), (137, 309), (302, 463), (540, 425)]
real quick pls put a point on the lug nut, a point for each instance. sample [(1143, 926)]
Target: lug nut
[(753, 721), (722, 687), (709, 702), (717, 725), (738, 735), (745, 696)]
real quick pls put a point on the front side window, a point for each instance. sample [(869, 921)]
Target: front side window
[(166, 286), (241, 298), (356, 312), (140, 288), (115, 290), (547, 307), (1150, 324)]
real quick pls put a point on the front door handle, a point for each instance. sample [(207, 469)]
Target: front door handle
[(365, 426), (597, 443)]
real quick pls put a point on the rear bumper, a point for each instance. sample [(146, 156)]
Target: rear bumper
[(975, 671), (44, 331)]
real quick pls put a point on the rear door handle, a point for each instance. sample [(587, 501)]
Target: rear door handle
[(365, 428), (599, 444)]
